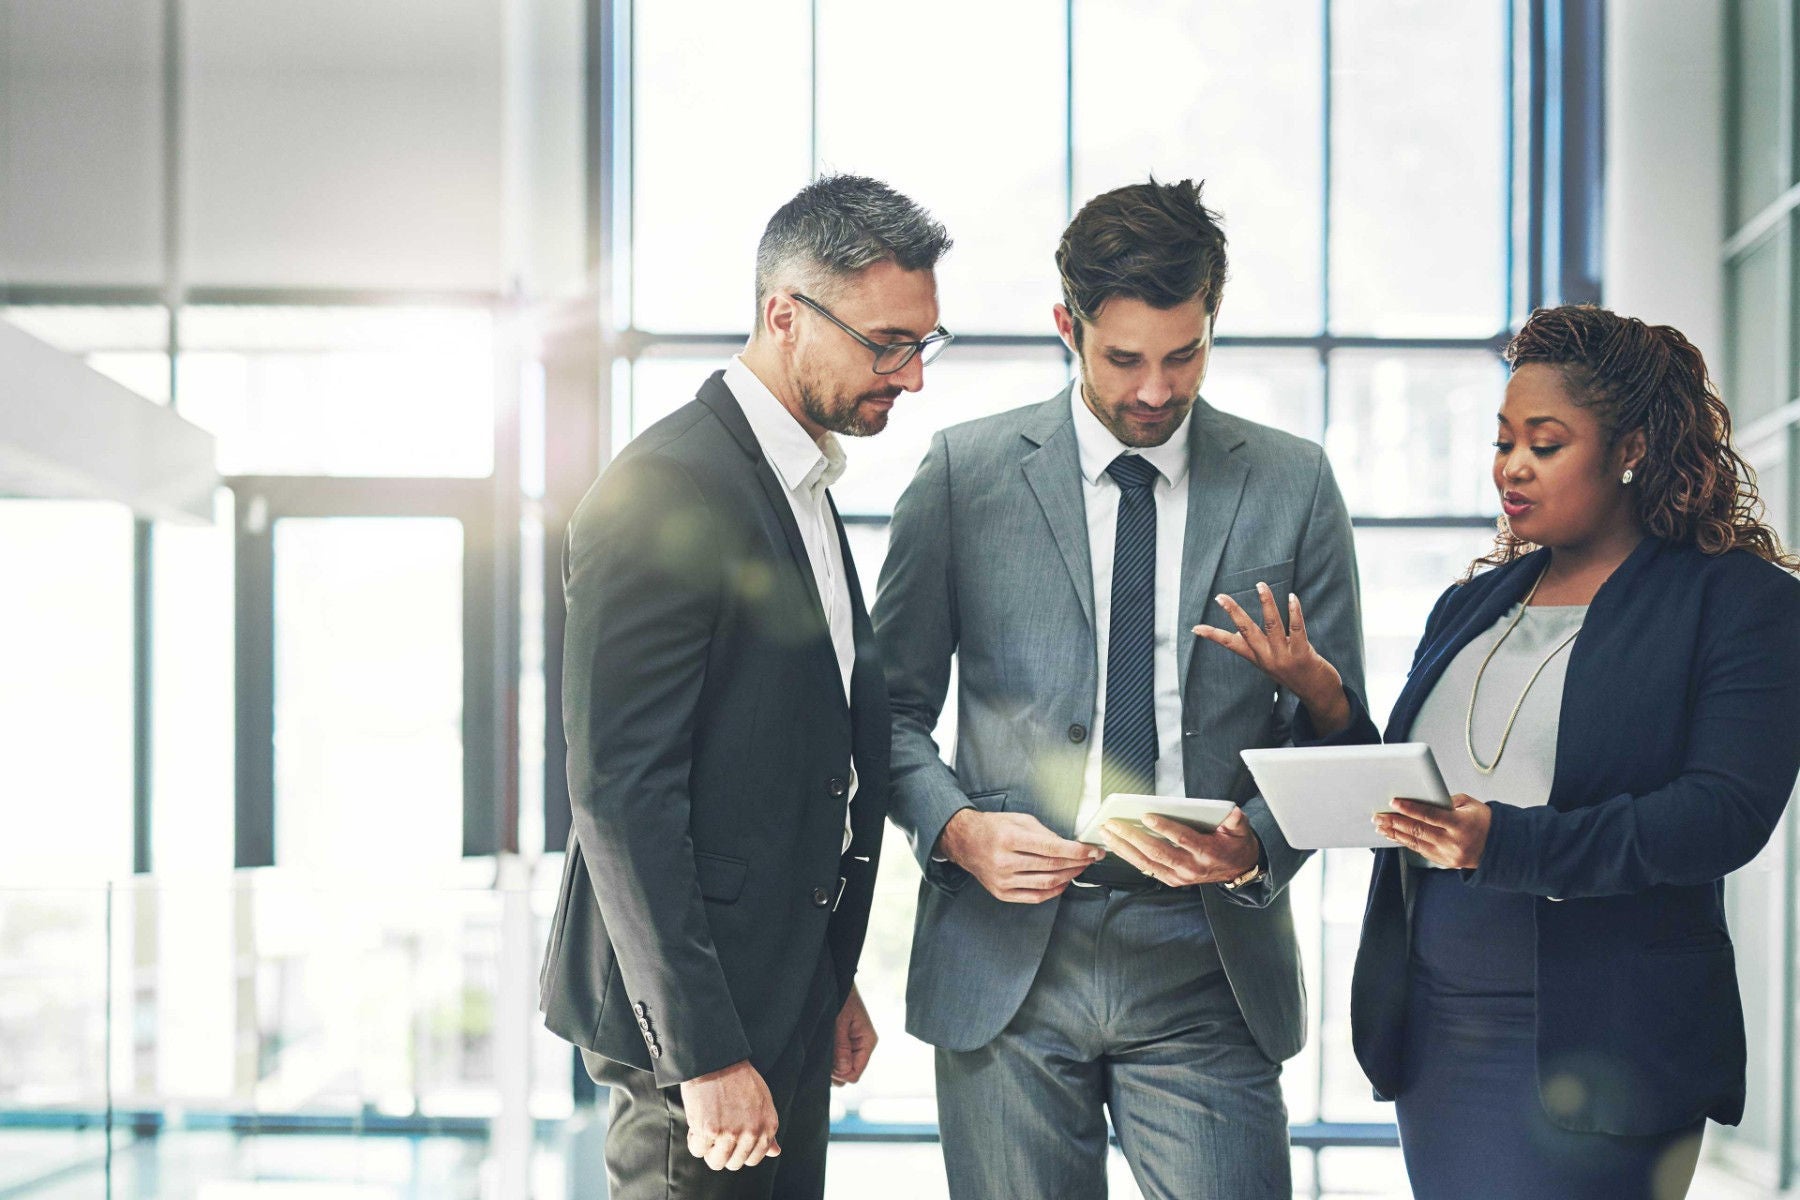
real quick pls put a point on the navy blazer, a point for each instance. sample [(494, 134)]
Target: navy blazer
[(1677, 748)]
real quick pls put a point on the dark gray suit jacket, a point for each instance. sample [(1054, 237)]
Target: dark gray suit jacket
[(709, 755), (988, 562)]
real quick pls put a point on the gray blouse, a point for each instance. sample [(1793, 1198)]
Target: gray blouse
[(1524, 773)]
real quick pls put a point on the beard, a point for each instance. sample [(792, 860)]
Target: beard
[(1138, 435), (847, 415)]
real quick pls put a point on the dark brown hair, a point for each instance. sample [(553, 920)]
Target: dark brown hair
[(1152, 241), (1691, 488)]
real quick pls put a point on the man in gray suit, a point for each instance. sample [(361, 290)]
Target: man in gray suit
[(1061, 553)]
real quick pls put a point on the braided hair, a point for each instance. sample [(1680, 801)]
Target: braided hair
[(1693, 487)]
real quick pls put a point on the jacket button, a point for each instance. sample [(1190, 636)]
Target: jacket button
[(837, 788), (641, 1008), (821, 898), (1078, 733), (656, 1052)]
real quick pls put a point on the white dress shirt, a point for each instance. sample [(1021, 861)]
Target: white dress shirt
[(806, 468), (1098, 447)]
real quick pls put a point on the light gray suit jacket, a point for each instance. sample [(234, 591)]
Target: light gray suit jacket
[(988, 563)]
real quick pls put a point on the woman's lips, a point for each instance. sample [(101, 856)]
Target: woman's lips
[(1514, 505)]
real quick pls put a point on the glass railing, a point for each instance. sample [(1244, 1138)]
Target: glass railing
[(161, 1037)]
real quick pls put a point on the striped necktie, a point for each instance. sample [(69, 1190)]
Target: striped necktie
[(1128, 748)]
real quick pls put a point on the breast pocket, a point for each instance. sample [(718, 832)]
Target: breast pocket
[(1241, 587)]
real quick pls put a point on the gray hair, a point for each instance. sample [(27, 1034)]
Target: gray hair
[(837, 226)]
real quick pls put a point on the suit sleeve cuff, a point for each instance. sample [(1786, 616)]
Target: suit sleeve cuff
[(1360, 731), (938, 870), (1278, 860), (1505, 859)]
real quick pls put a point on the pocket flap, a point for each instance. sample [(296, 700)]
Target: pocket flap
[(992, 802), (721, 878), (1275, 574)]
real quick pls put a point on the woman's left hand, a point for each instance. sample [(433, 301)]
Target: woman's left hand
[(1452, 837)]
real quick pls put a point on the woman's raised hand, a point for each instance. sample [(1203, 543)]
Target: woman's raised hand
[(1283, 653)]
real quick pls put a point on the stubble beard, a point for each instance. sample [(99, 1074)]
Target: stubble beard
[(1122, 430), (845, 416)]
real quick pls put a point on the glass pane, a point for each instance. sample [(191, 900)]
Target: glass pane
[(710, 166), (1412, 433), (193, 783), (344, 145), (1229, 93), (1758, 104), (660, 384), (81, 159), (128, 344), (53, 955), (1418, 162), (1755, 383), (65, 692), (1283, 388), (1403, 572), (958, 387), (368, 693), (342, 391), (988, 162)]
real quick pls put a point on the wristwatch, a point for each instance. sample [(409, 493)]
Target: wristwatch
[(1251, 876)]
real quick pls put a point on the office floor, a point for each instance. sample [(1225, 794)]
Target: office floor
[(222, 1166)]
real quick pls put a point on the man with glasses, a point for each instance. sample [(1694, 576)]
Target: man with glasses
[(728, 725), (1061, 553)]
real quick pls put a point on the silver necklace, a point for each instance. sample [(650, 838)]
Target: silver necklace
[(1469, 724)]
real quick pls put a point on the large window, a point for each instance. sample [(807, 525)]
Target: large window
[(423, 267), (1363, 159)]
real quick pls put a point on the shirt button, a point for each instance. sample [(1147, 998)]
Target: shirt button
[(821, 898), (1078, 733), (836, 788)]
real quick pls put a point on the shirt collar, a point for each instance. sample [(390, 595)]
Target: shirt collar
[(802, 464), (1098, 447)]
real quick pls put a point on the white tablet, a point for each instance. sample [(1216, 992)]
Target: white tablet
[(1323, 796), (1203, 815)]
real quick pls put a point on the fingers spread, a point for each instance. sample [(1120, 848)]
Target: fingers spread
[(1271, 616), (1296, 621)]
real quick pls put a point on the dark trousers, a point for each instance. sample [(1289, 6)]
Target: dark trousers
[(646, 1136), (1472, 1123)]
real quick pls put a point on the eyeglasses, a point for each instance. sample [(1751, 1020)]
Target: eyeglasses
[(889, 356)]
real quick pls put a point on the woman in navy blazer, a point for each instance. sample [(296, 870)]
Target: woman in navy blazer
[(1557, 1014)]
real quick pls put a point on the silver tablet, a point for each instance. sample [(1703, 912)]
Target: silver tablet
[(1323, 796), (1203, 815)]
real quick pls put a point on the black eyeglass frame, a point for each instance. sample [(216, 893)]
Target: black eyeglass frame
[(930, 346)]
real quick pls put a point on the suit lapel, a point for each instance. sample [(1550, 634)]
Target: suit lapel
[(716, 396), (1216, 479), (1053, 472), (870, 722)]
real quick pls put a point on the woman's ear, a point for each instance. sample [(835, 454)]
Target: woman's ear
[(1631, 451)]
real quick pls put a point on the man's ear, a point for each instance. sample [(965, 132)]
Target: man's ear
[(1065, 327), (779, 313)]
